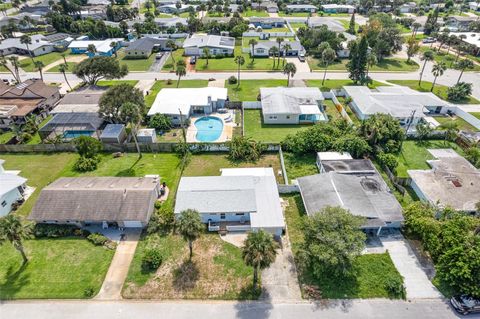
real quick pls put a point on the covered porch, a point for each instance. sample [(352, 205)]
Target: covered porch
[(224, 227)]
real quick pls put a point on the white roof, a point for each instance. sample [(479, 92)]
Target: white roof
[(210, 40), (38, 41), (172, 101), (337, 6), (100, 45), (471, 37), (294, 100), (331, 156), (9, 180)]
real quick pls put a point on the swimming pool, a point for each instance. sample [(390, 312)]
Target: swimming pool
[(209, 128), (75, 134)]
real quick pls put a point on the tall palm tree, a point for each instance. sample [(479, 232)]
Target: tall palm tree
[(279, 41), (25, 39), (13, 230), (190, 226), (4, 63), (259, 252), (171, 45), (415, 27), (63, 68), (131, 114), (287, 47), (290, 69), (328, 56), (427, 56), (39, 66), (15, 64), (463, 65), (206, 54), (273, 52), (437, 70), (64, 57), (113, 45), (180, 71), (253, 43), (91, 49), (239, 60)]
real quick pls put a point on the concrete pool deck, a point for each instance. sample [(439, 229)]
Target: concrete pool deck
[(227, 132)]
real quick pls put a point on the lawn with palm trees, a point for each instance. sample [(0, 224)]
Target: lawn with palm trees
[(385, 65), (28, 65)]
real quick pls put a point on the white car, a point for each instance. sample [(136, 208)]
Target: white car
[(429, 40)]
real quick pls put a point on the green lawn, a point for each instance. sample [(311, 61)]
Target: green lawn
[(273, 133), (177, 55), (331, 110), (150, 98), (56, 69), (371, 270), (5, 6), (250, 89), (386, 65), (461, 123), (356, 121), (439, 90), (28, 66), (254, 13), (36, 138), (116, 82), (476, 114), (293, 14), (414, 155), (58, 268), (297, 25), (337, 84), (135, 64), (299, 165), (448, 59), (5, 137), (346, 24)]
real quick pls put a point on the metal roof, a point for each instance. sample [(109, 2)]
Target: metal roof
[(294, 100)]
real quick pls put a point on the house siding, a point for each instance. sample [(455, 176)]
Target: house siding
[(9, 198)]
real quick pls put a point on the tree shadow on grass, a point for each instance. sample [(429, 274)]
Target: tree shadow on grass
[(185, 277), (13, 282), (129, 172)]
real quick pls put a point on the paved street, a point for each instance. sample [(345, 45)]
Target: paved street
[(357, 309)]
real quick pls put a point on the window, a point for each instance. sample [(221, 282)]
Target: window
[(222, 216), (240, 214), (288, 117), (272, 117), (4, 203)]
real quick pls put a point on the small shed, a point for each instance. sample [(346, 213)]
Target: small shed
[(147, 136), (114, 133)]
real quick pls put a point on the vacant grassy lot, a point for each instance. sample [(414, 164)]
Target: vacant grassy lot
[(274, 133), (58, 268), (254, 13), (448, 59), (150, 98), (210, 164), (216, 271), (56, 69), (386, 65), (371, 270), (337, 84), (299, 165), (439, 90), (297, 25), (248, 90), (28, 66)]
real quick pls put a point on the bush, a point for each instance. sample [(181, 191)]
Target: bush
[(162, 221), (152, 259), (97, 239), (86, 164), (87, 146), (388, 160), (89, 292), (395, 287), (160, 122), (245, 149), (232, 80), (55, 231), (459, 91)]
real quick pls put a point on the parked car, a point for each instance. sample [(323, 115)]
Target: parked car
[(301, 57), (193, 60), (429, 40), (158, 56), (464, 304)]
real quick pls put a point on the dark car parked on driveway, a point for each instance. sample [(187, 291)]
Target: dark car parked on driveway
[(465, 305)]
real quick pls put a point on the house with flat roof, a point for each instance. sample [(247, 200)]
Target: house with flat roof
[(408, 7), (355, 185), (32, 97), (301, 8), (241, 199), (458, 23), (180, 104), (262, 48), (12, 189), (172, 8), (470, 38), (400, 102), (102, 47), (267, 22), (330, 156), (216, 44), (39, 46), (452, 181), (295, 105), (170, 22), (338, 8), (122, 201)]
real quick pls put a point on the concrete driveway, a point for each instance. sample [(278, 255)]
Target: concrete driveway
[(117, 273), (417, 284)]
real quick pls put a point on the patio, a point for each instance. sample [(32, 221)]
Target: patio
[(228, 120)]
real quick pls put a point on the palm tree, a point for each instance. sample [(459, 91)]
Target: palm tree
[(259, 252), (279, 41), (13, 230), (371, 61), (415, 27), (63, 68), (206, 54), (463, 65), (427, 56), (4, 63), (131, 114), (64, 57), (451, 130), (113, 45), (17, 131), (171, 45), (328, 56), (14, 62), (25, 39), (180, 71), (253, 43), (287, 47), (91, 49), (39, 66), (239, 60), (273, 52), (437, 70), (190, 226), (290, 69)]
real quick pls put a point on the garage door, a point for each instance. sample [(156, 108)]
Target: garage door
[(132, 223)]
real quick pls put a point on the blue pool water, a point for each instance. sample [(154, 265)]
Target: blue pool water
[(209, 128), (74, 134)]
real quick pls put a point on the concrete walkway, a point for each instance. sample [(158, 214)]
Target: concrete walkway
[(416, 281), (117, 273), (145, 85), (73, 59)]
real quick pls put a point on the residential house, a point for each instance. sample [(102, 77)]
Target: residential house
[(407, 105), (331, 24), (240, 199), (216, 44), (338, 8), (172, 8), (452, 181), (142, 48), (459, 23), (180, 104), (408, 7), (98, 12), (39, 46), (474, 6), (107, 201), (170, 22), (32, 97), (267, 22), (12, 189), (355, 185), (292, 105), (269, 6), (301, 8), (102, 47), (471, 39), (262, 48), (40, 9), (344, 50)]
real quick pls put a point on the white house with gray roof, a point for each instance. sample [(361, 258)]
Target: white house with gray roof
[(39, 46), (241, 199), (12, 189), (262, 48), (399, 101), (216, 44), (295, 105), (301, 8)]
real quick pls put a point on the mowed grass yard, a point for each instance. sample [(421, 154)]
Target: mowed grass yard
[(158, 85), (448, 59), (439, 90), (138, 65), (299, 165), (248, 90), (27, 65), (371, 270), (56, 68), (274, 133), (337, 84), (254, 13), (386, 65), (169, 64)]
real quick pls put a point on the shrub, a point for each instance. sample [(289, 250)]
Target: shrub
[(232, 80), (242, 148), (97, 239), (88, 293), (86, 164), (388, 160), (162, 221), (169, 82), (395, 287), (152, 259), (87, 146), (160, 122), (459, 91), (55, 231)]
